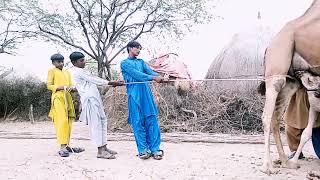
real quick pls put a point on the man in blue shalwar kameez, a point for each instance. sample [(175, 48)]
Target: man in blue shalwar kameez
[(143, 111)]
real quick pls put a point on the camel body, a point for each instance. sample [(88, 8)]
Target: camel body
[(295, 47)]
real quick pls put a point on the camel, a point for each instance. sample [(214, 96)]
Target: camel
[(298, 39)]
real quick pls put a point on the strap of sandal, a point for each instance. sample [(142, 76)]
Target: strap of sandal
[(159, 152), (64, 152)]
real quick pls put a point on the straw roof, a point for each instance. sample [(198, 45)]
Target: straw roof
[(242, 57)]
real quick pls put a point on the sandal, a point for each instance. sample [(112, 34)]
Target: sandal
[(75, 149), (145, 155), (64, 152), (158, 155), (106, 155)]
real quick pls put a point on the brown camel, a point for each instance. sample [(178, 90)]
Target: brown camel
[(295, 47)]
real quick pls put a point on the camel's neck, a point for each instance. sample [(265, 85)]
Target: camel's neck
[(314, 8)]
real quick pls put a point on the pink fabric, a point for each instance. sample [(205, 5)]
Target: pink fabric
[(169, 64)]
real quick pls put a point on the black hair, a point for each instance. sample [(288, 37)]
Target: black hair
[(57, 57), (133, 44), (75, 56)]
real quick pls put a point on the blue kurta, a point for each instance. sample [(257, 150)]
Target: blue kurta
[(316, 140), (140, 98), (141, 105)]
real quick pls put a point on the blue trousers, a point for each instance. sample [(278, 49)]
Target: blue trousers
[(316, 140), (147, 134)]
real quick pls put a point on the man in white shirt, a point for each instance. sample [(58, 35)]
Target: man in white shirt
[(92, 107)]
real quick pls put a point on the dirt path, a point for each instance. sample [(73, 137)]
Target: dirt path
[(30, 152)]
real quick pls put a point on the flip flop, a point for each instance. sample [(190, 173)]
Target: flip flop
[(158, 155), (145, 155), (64, 153), (75, 149)]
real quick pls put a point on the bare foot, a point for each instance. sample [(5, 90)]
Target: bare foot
[(110, 151), (105, 155)]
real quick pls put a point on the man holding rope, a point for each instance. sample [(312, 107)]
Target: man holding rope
[(92, 107), (141, 105)]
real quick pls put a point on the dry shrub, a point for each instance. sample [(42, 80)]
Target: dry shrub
[(211, 110)]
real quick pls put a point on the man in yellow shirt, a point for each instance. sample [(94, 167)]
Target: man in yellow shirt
[(62, 109)]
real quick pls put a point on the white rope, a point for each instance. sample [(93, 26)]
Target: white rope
[(188, 80), (258, 78)]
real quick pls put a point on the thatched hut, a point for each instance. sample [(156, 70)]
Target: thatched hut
[(241, 58)]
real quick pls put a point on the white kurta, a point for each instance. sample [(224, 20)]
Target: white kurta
[(92, 107)]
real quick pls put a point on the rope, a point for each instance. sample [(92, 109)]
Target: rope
[(258, 78), (202, 80)]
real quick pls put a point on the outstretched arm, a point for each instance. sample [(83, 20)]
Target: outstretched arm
[(93, 79), (148, 70), (137, 75)]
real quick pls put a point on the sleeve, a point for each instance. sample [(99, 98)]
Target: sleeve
[(137, 75), (50, 82), (70, 79), (93, 79), (148, 70)]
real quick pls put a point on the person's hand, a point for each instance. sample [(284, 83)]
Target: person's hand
[(71, 89), (116, 83), (158, 79)]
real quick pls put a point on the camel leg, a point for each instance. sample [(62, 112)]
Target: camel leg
[(273, 87), (282, 102), (305, 137)]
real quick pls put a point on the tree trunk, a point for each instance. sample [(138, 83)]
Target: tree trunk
[(100, 66), (109, 72), (108, 67)]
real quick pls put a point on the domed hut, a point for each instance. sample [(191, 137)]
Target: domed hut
[(241, 58)]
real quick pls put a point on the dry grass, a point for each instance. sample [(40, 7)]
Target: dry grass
[(217, 109), (211, 110)]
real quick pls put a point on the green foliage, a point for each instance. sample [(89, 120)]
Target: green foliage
[(18, 94)]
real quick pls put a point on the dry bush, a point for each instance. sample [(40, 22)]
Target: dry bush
[(210, 110)]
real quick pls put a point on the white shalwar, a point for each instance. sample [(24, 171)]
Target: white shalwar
[(92, 107)]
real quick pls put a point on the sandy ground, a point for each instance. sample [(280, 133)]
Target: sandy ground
[(30, 152)]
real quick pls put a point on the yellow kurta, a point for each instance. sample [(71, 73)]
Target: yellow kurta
[(61, 117)]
